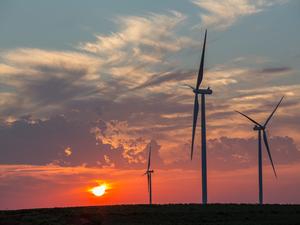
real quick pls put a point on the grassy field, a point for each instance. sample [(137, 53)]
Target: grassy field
[(230, 214)]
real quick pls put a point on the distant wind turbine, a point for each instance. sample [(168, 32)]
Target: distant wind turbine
[(203, 92), (261, 129), (149, 176)]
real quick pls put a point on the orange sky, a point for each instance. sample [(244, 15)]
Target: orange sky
[(58, 187)]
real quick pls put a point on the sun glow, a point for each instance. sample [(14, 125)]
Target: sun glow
[(99, 190)]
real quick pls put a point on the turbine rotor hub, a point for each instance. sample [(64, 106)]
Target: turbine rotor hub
[(256, 127), (207, 91)]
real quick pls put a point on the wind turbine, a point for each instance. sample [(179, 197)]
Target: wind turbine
[(261, 129), (149, 176), (202, 92)]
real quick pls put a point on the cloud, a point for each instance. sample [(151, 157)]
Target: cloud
[(44, 82), (142, 36), (52, 82), (118, 134), (230, 153), (115, 144), (67, 142), (109, 163), (168, 77), (68, 151), (222, 14), (141, 47), (122, 120), (108, 98), (273, 70)]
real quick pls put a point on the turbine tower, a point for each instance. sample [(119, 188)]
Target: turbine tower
[(261, 129), (149, 176), (197, 91)]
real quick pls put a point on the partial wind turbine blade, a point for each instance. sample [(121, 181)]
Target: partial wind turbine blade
[(201, 69), (268, 150), (148, 178), (187, 85), (195, 116), (252, 120), (149, 158), (273, 112)]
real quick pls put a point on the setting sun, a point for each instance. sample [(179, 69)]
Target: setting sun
[(99, 190)]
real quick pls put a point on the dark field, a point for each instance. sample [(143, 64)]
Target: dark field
[(158, 214)]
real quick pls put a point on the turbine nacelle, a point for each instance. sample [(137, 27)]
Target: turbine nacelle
[(149, 171), (256, 127), (207, 91)]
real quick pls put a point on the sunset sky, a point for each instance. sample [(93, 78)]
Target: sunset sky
[(85, 86)]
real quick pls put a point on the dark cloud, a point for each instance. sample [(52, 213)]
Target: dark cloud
[(226, 153), (231, 153), (53, 91), (276, 70), (220, 115), (50, 91), (158, 79), (37, 142)]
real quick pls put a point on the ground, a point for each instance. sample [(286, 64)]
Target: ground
[(185, 214)]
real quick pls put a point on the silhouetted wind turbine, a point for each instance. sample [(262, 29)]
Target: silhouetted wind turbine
[(149, 177), (262, 128), (203, 92)]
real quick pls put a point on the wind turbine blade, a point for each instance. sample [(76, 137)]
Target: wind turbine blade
[(148, 178), (195, 116), (187, 85), (201, 69), (149, 158), (268, 150), (252, 120), (273, 112)]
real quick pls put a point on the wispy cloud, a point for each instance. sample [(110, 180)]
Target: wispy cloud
[(141, 36), (43, 80), (141, 46), (222, 14)]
